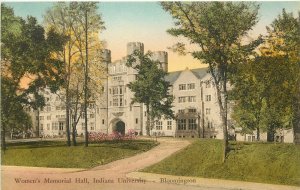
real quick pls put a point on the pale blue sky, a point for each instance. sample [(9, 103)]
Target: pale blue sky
[(147, 22)]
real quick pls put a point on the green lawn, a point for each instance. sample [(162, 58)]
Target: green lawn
[(256, 162), (56, 154)]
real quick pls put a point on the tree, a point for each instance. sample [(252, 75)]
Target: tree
[(267, 87), (27, 66), (217, 28), (150, 88), (259, 90), (69, 19), (248, 95), (283, 41)]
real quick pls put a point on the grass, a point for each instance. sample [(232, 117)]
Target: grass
[(255, 162), (56, 154)]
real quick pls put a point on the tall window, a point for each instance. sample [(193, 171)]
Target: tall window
[(61, 126), (207, 111), (192, 98), (92, 126), (121, 101), (169, 125), (181, 124), (115, 102), (49, 117), (158, 125), (207, 84), (192, 124), (182, 87), (115, 90), (48, 108), (92, 115), (48, 126), (191, 86), (208, 98), (54, 126), (92, 105)]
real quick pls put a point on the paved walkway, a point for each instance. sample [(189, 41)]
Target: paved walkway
[(121, 174)]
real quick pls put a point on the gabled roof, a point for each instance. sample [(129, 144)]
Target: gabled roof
[(199, 73), (173, 76)]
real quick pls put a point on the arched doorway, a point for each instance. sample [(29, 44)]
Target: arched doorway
[(120, 127)]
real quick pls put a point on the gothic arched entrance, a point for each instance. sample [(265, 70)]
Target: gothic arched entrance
[(120, 127)]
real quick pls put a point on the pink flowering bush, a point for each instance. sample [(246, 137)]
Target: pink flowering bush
[(100, 137)]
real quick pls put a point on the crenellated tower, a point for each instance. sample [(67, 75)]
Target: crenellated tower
[(106, 56), (162, 57), (132, 46)]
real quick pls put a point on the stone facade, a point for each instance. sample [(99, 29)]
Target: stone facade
[(195, 104)]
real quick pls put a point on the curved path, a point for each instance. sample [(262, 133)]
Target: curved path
[(109, 176), (121, 174)]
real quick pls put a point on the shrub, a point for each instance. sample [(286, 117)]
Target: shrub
[(100, 137)]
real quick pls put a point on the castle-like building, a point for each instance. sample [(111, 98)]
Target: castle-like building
[(195, 104)]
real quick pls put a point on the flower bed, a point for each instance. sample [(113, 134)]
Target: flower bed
[(100, 137)]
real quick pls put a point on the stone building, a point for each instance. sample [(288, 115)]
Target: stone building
[(195, 104)]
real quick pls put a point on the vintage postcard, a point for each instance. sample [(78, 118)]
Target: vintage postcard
[(150, 95)]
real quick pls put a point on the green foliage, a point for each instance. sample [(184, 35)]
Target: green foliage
[(256, 162), (218, 29), (27, 65), (54, 154), (266, 88), (69, 19), (150, 87)]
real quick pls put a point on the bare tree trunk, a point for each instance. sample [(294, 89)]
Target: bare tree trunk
[(3, 143), (67, 117), (75, 120), (67, 99), (296, 120), (257, 133), (74, 134), (225, 115), (142, 121), (148, 120), (38, 124), (202, 114), (225, 133), (86, 138), (223, 111)]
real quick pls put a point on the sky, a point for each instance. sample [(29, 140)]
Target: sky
[(147, 22)]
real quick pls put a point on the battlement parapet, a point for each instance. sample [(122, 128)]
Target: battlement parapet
[(132, 46), (160, 56), (106, 55)]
